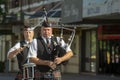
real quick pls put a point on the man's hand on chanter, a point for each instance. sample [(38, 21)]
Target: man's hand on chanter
[(52, 65), (58, 60)]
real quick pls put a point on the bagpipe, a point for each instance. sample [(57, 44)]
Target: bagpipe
[(60, 51)]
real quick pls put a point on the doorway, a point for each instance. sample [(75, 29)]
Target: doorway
[(88, 51)]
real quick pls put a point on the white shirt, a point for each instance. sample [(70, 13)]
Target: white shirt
[(33, 47), (16, 46)]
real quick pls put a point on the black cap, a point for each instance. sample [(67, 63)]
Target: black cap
[(46, 24), (27, 28)]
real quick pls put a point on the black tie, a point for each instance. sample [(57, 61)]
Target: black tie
[(47, 40), (48, 45)]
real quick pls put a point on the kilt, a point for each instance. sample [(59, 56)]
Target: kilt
[(19, 76), (52, 75)]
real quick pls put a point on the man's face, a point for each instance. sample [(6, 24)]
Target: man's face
[(46, 31), (28, 34)]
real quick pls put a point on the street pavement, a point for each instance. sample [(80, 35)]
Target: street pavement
[(89, 77), (10, 76)]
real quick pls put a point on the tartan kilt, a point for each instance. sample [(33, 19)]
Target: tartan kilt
[(54, 75), (19, 76)]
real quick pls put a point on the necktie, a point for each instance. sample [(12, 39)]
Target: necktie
[(47, 41), (48, 45)]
